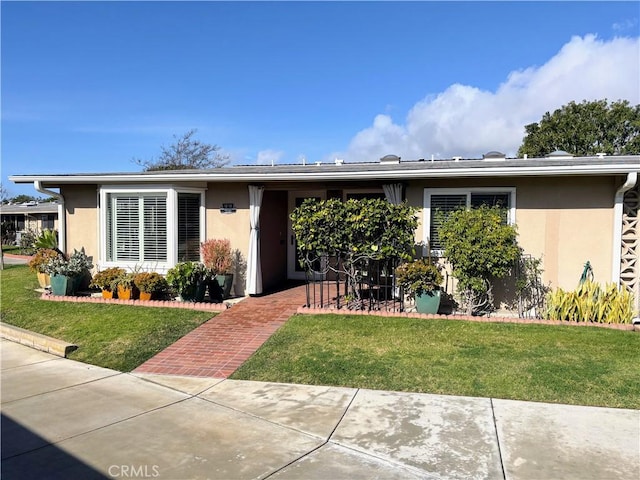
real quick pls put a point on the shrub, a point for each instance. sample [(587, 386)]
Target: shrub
[(184, 277), (217, 255), (591, 303), (77, 264), (480, 248), (27, 238), (150, 282), (41, 258), (105, 279)]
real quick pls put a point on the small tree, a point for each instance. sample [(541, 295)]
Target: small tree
[(353, 233), (480, 248), (186, 153)]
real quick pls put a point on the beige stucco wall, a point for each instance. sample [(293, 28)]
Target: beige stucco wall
[(567, 221), (566, 238), (81, 212), (234, 226)]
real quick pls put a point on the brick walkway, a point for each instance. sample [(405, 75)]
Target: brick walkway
[(218, 347)]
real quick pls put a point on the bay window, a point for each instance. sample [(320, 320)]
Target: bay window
[(150, 228)]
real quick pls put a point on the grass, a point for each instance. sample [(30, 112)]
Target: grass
[(557, 364), (113, 336)]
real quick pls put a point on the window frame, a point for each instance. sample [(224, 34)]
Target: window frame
[(428, 192), (171, 193)]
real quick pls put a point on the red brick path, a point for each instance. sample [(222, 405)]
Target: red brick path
[(218, 347)]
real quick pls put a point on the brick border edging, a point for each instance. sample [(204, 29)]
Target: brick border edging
[(429, 316), (207, 307)]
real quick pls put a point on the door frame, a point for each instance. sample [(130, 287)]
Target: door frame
[(292, 273)]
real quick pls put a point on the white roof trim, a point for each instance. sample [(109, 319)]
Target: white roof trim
[(313, 175)]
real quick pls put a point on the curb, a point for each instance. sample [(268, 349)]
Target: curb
[(36, 340)]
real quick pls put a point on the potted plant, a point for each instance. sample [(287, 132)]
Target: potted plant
[(188, 280), (150, 284), (39, 262), (125, 285), (421, 279), (217, 256), (67, 274), (105, 280)]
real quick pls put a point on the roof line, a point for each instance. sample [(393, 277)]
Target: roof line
[(333, 175)]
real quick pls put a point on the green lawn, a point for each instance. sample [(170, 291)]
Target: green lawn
[(113, 336), (558, 364)]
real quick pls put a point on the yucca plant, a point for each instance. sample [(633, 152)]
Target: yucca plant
[(590, 302)]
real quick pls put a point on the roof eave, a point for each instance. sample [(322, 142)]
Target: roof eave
[(494, 171)]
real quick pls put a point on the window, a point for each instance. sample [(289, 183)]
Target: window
[(447, 200), (188, 226), (48, 221), (136, 227), (154, 228)]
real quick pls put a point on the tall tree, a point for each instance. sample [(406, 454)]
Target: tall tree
[(584, 129), (186, 153)]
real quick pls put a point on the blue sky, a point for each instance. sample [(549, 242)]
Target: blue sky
[(87, 86)]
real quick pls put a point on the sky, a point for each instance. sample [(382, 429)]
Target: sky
[(86, 87)]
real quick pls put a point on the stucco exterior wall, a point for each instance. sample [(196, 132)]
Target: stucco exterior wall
[(567, 221), (234, 226), (81, 212)]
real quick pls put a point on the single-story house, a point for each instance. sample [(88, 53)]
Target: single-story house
[(568, 210), (35, 217)]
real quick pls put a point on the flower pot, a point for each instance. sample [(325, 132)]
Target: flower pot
[(63, 285), (194, 293), (428, 302), (225, 281), (44, 279), (107, 293), (145, 296), (125, 293)]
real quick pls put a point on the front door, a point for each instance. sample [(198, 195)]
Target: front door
[(294, 270)]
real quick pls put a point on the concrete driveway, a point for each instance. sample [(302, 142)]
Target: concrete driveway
[(63, 419)]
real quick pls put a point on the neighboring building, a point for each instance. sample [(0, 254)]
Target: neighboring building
[(569, 210), (31, 216)]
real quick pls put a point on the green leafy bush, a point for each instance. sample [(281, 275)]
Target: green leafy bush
[(480, 248), (590, 302)]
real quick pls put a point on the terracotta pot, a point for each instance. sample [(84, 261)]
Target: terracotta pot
[(145, 296)]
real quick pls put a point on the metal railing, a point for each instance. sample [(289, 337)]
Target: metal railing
[(368, 286)]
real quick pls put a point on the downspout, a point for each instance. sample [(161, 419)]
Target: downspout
[(632, 179), (62, 219)]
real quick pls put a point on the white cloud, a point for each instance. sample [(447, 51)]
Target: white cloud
[(268, 157), (466, 121)]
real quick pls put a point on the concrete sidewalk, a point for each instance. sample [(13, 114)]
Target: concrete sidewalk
[(63, 419)]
